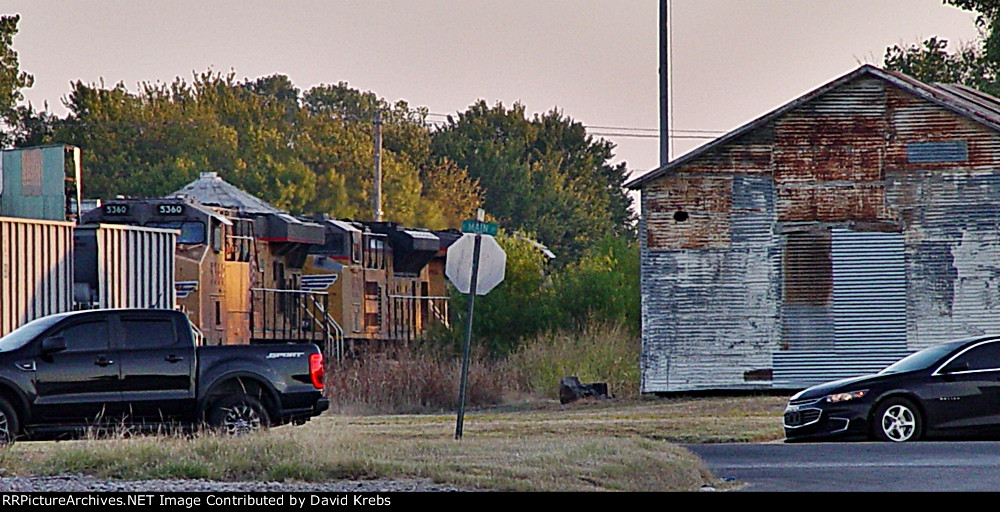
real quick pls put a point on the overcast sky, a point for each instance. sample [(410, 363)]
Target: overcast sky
[(595, 60)]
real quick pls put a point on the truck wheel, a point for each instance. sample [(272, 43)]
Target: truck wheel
[(238, 414), (8, 423)]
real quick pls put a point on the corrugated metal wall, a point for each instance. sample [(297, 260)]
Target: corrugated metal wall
[(36, 278), (844, 312), (135, 266), (710, 315)]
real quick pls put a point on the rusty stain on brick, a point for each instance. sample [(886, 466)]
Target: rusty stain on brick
[(688, 213)]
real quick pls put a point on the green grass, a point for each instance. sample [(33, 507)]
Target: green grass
[(534, 446)]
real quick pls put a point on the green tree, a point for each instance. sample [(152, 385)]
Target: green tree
[(543, 175), (12, 81), (418, 189), (602, 285), (152, 142), (518, 307), (974, 64)]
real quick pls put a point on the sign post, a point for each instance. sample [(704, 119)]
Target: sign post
[(468, 337), (479, 280)]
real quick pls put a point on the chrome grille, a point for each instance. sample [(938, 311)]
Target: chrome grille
[(801, 417), (804, 401)]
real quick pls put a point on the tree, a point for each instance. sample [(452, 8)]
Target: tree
[(12, 80), (150, 143), (418, 188), (974, 64), (544, 175)]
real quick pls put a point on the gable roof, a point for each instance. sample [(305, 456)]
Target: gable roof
[(209, 189), (964, 101)]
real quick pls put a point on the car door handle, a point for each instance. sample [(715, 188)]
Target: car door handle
[(104, 362), (173, 359)]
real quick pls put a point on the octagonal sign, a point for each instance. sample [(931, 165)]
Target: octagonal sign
[(492, 262)]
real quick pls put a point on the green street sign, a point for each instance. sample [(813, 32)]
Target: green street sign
[(479, 227)]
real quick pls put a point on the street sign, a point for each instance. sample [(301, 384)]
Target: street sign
[(475, 265), (492, 262), (480, 227)]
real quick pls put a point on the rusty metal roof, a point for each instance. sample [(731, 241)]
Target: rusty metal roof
[(965, 101), (211, 190)]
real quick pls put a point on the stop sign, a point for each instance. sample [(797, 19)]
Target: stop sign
[(492, 262)]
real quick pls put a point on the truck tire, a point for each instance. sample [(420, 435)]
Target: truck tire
[(8, 423), (238, 414)]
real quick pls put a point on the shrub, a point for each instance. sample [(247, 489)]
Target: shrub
[(598, 352)]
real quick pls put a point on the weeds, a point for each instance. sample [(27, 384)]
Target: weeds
[(595, 353), (410, 381)]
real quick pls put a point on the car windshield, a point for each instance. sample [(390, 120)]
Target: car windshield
[(923, 359), (27, 332)]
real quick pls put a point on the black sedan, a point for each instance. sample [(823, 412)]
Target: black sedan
[(948, 389)]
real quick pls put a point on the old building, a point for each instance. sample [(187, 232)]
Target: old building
[(825, 239)]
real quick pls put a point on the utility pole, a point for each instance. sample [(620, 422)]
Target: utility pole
[(664, 82), (377, 121)]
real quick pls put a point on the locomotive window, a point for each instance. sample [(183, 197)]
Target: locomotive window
[(191, 232), (375, 254), (334, 245)]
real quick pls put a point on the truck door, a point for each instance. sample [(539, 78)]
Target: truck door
[(79, 384), (157, 368)]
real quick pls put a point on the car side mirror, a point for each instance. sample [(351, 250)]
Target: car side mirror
[(956, 367), (53, 344)]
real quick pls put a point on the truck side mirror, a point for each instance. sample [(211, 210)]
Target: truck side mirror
[(53, 344)]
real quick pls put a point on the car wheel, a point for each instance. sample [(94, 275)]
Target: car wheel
[(238, 414), (897, 420), (8, 423)]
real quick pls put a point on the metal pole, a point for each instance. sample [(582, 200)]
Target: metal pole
[(664, 83), (378, 165), (468, 336)]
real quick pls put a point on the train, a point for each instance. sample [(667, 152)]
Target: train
[(248, 272), (241, 269)]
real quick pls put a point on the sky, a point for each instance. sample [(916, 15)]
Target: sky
[(594, 60)]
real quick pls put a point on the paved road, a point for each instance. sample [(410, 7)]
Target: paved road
[(858, 467)]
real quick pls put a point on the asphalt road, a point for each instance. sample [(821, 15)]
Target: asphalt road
[(857, 467)]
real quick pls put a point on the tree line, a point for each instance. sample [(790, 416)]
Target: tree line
[(311, 152)]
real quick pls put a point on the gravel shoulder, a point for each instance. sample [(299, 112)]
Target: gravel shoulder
[(81, 483)]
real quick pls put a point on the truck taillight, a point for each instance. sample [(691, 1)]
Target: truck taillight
[(316, 370)]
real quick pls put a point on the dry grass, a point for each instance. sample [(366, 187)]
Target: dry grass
[(409, 381), (538, 446), (595, 353)]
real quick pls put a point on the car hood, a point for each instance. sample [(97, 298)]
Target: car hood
[(838, 386)]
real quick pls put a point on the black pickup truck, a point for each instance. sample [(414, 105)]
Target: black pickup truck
[(141, 367)]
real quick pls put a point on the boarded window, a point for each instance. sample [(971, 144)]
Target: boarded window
[(937, 152)]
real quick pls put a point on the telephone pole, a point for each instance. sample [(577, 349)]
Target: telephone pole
[(664, 82), (377, 200)]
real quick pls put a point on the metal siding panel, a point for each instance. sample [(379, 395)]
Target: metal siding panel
[(865, 313), (937, 152), (135, 266), (709, 315), (34, 281)]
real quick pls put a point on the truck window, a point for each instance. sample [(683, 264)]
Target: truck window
[(148, 333), (85, 337)]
